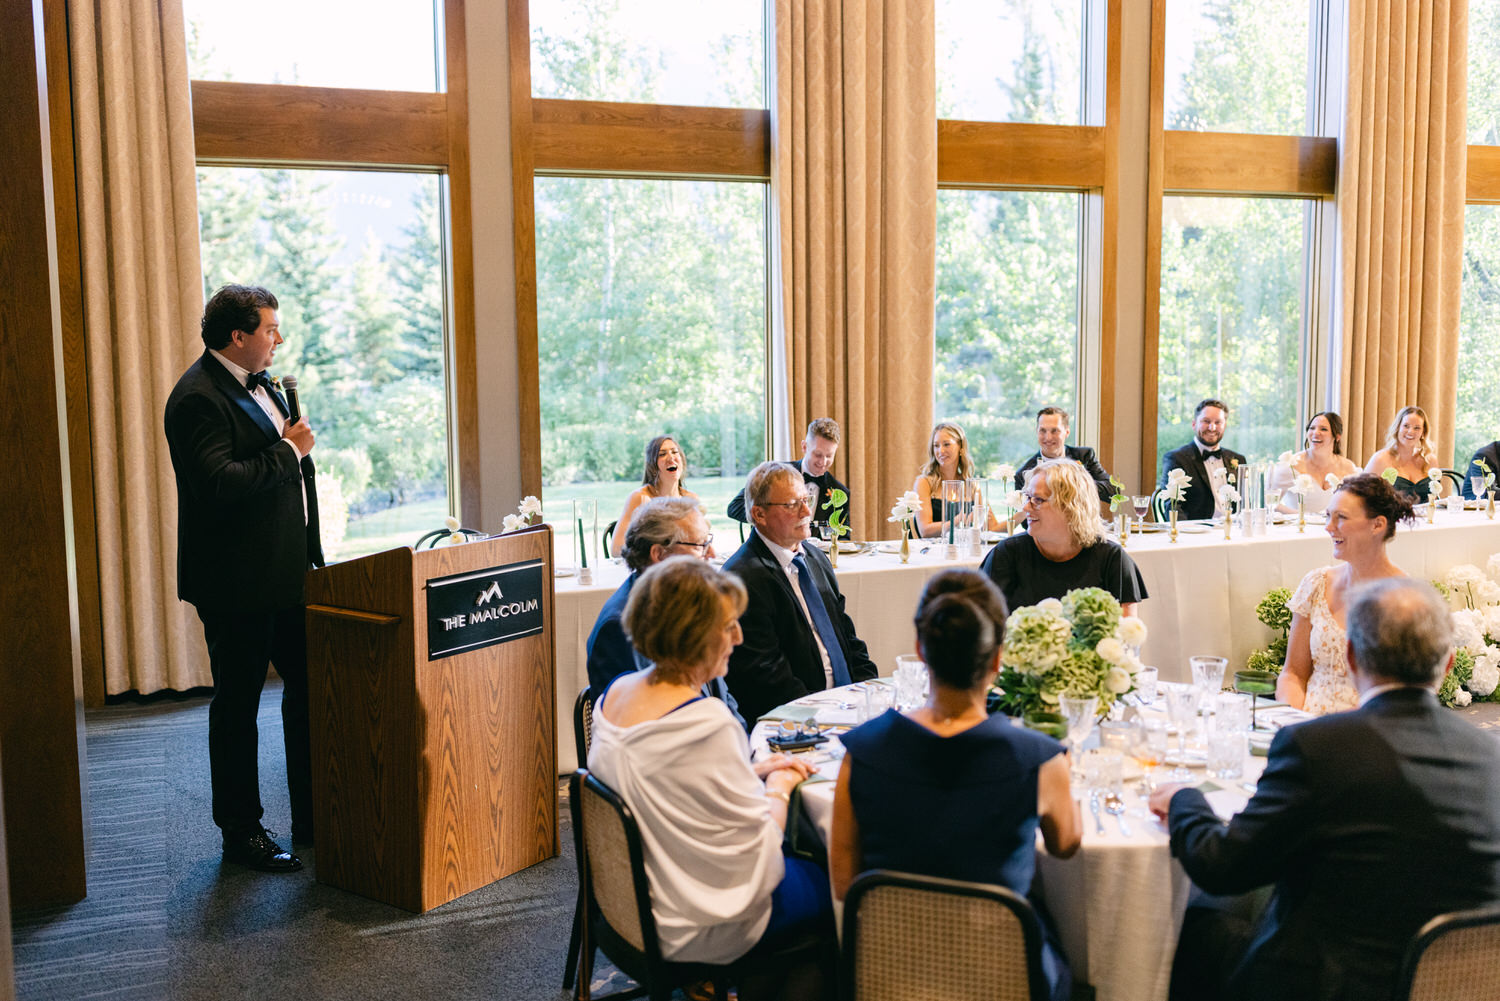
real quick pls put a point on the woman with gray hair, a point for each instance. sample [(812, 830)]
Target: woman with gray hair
[(1064, 546)]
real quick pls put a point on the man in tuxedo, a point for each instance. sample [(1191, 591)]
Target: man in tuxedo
[(1205, 460), (1369, 823), (1051, 435), (661, 527), (818, 449), (247, 532), (1491, 455), (798, 638)]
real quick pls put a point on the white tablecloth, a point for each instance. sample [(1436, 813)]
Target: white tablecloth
[(1203, 594)]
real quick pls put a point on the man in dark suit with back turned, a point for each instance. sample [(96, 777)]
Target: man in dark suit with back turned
[(798, 638), (1205, 460), (1369, 823), (1051, 436), (247, 532)]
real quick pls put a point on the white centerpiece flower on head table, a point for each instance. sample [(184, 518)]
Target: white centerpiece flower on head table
[(903, 512), (1174, 491), (1476, 635)]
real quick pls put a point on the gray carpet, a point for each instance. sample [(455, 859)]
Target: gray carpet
[(165, 919)]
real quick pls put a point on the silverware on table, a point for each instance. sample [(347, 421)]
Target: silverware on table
[(1115, 807), (1094, 806)]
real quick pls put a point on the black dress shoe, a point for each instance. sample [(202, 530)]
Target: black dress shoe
[(256, 850)]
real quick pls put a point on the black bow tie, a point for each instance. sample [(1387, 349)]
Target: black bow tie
[(1209, 453), (259, 379)]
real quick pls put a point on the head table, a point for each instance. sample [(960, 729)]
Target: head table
[(1203, 593)]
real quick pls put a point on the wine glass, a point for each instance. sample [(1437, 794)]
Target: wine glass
[(1256, 684), (1476, 483), (1182, 709), (1208, 675), (1081, 712), (1142, 504), (1149, 747)]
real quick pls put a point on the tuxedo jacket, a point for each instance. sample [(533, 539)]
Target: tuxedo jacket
[(1081, 455), (242, 542), (1490, 454), (778, 660), (1369, 823), (1198, 499), (826, 484)]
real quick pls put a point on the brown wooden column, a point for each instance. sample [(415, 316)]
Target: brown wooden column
[(40, 682)]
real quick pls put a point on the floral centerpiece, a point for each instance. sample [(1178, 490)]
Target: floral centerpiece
[(1487, 486), (1078, 646), (904, 512), (1229, 497), (1003, 475), (1302, 485), (837, 528), (1174, 491), (1275, 614), (1117, 499), (1476, 634), (528, 513)]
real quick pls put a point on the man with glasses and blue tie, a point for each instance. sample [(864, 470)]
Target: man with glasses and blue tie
[(660, 528), (797, 637)]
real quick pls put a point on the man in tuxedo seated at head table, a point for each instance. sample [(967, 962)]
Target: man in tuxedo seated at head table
[(1490, 455), (1208, 464), (1052, 426), (818, 450), (1368, 822), (661, 527), (247, 532), (798, 638)]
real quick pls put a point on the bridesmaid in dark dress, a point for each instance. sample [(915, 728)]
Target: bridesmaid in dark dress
[(1408, 450), (948, 790)]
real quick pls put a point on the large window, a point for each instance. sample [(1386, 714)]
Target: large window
[(355, 260), (1476, 418), (371, 44), (650, 51), (651, 319), (1237, 66), (1010, 60), (1231, 319), (1007, 315)]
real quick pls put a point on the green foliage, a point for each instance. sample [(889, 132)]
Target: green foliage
[(1274, 613), (835, 502), (1463, 670), (1244, 76), (1051, 649), (1094, 613)]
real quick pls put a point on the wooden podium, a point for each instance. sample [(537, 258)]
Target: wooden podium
[(434, 749)]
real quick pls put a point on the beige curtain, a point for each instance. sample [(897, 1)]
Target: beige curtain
[(138, 222), (856, 217), (1401, 206)]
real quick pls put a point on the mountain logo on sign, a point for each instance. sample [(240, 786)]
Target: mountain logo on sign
[(491, 592)]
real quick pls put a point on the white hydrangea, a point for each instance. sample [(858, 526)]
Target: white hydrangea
[(1132, 631), (1492, 622), (1468, 630), (1110, 650), (1462, 698), (1462, 576), (1051, 606), (1493, 566), (1487, 593), (1486, 673), (1117, 680)]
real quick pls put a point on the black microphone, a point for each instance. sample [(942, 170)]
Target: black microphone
[(289, 387)]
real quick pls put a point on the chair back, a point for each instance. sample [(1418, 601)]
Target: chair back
[(607, 537), (914, 937), (612, 867), (583, 725), (1160, 505), (1458, 481), (1455, 957)]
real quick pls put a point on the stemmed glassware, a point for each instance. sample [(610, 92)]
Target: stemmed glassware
[(1142, 504), (1080, 712), (1182, 709), (1476, 483), (1150, 747), (1255, 684)]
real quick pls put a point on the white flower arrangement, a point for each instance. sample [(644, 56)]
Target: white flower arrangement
[(1069, 647), (1015, 500), (1466, 581), (1005, 471), (1284, 459), (1462, 698), (1468, 631), (1331, 481), (1486, 673), (1133, 632), (1303, 485), (453, 525), (1229, 495), (905, 509), (1492, 567), (1176, 487), (1476, 634), (529, 509)]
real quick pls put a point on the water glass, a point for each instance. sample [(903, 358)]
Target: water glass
[(1116, 734), (1182, 707), (1145, 684), (911, 682), (1476, 483), (1227, 748), (1231, 713), (878, 698), (1208, 675), (1149, 746), (1103, 770), (1081, 712)]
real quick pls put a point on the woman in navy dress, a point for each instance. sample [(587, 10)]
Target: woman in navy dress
[(948, 790)]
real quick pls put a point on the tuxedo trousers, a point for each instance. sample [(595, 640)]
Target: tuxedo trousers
[(241, 646)]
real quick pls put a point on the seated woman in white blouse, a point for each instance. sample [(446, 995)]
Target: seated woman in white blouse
[(1322, 458), (711, 822)]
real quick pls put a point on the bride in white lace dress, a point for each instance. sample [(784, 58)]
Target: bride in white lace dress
[(1362, 518)]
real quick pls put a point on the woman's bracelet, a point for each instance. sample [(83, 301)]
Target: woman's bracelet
[(776, 794)]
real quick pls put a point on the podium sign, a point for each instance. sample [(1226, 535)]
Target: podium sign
[(469, 611)]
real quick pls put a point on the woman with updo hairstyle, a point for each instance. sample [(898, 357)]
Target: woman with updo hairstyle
[(946, 789), (1322, 459), (711, 822), (1362, 519)]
